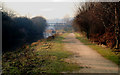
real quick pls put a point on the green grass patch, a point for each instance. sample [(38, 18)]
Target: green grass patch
[(105, 52), (47, 57)]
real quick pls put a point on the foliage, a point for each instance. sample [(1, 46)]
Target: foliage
[(97, 20), (17, 31), (45, 57), (40, 24)]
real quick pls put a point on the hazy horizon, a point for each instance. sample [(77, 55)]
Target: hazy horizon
[(49, 10)]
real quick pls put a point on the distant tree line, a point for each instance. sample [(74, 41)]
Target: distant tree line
[(97, 21), (17, 31), (68, 23), (68, 26)]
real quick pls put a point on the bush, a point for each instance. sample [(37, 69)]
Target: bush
[(97, 20), (17, 31)]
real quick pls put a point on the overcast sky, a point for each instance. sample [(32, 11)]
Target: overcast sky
[(49, 9)]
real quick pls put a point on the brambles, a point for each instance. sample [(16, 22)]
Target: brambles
[(97, 20)]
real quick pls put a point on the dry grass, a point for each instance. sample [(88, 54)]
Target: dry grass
[(105, 52), (39, 57)]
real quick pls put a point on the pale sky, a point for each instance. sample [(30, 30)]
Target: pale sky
[(49, 9)]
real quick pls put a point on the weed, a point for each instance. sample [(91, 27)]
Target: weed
[(44, 57), (105, 52)]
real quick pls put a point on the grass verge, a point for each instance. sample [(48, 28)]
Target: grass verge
[(45, 57), (105, 52)]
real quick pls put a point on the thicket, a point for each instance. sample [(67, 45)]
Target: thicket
[(97, 21), (18, 31)]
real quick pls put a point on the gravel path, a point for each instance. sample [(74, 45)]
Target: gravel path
[(89, 59)]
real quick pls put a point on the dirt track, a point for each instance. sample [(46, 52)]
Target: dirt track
[(88, 58)]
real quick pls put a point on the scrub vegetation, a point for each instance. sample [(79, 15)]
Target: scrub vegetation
[(42, 56)]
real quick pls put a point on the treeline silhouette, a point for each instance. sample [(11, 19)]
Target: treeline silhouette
[(97, 21), (18, 31)]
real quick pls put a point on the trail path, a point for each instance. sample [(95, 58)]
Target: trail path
[(88, 58)]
